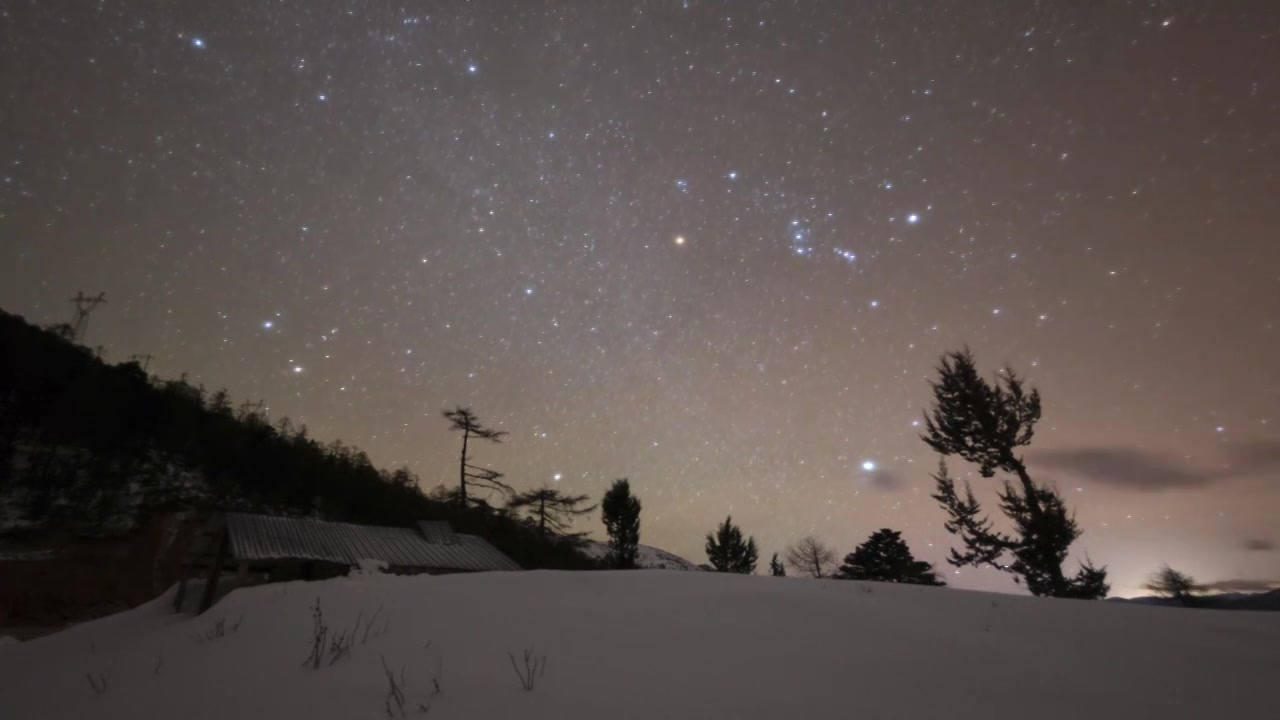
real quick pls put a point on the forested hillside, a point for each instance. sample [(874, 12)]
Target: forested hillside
[(93, 449)]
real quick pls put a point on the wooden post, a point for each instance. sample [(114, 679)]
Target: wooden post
[(182, 592), (211, 587)]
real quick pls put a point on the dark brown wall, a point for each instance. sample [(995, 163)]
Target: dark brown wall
[(89, 578)]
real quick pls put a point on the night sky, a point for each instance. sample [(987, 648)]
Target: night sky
[(716, 248)]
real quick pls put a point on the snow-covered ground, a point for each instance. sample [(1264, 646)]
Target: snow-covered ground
[(650, 644), (648, 557)]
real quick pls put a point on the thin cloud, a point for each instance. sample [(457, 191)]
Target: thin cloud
[(1259, 545), (1137, 469), (1243, 585), (1122, 467), (1254, 454)]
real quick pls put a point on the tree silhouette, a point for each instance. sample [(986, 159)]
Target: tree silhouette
[(810, 556), (885, 557), (1167, 582), (552, 510), (463, 420), (728, 552), (620, 511), (776, 567), (985, 423)]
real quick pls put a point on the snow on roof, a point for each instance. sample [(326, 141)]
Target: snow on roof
[(264, 537)]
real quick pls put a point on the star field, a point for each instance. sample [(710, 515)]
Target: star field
[(712, 247)]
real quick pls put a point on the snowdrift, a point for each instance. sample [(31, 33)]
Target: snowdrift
[(647, 644)]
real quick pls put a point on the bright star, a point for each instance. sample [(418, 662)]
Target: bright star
[(679, 239), (556, 477), (267, 325), (913, 218), (197, 42), (868, 465), (472, 69)]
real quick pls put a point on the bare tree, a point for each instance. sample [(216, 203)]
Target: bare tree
[(465, 421), (810, 556), (1167, 582)]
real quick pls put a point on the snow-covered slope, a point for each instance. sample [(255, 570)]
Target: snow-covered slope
[(650, 645), (650, 558)]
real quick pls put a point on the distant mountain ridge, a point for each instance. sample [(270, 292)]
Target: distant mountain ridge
[(648, 557), (1223, 601)]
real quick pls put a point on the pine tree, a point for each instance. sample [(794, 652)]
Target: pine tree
[(620, 511), (552, 510), (776, 568), (727, 552), (985, 423), (473, 476), (885, 557)]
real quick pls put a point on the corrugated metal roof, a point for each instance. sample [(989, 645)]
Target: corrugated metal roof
[(437, 531), (263, 537)]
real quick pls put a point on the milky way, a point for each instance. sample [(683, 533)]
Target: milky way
[(712, 247)]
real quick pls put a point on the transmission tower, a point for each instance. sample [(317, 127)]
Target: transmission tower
[(143, 360), (253, 409), (84, 305)]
